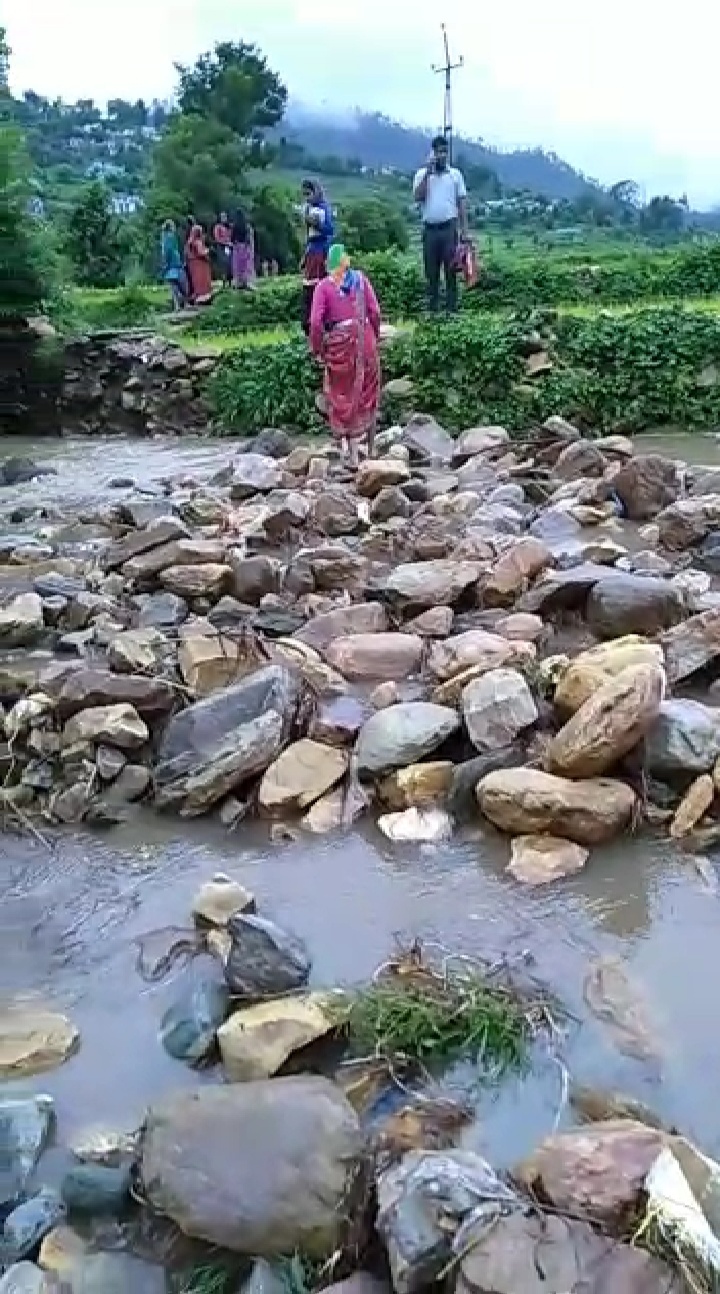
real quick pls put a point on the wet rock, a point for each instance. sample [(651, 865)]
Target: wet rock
[(161, 611), (164, 531), (416, 825), (480, 440), (595, 1106), (685, 739), (257, 1040), (462, 799), (206, 581), (552, 1255), (402, 735), (25, 1126), (497, 708), (646, 484), (117, 1273), (692, 645), (419, 785), (526, 801), (189, 1027), (376, 473), (96, 1188), (422, 1202), (253, 577), (617, 1000), (343, 622), (261, 1168), (593, 668), (433, 583), (300, 775), (215, 745), (339, 808), (130, 785), (273, 442), (475, 648), (153, 698), (563, 590), (688, 521), (514, 571), (21, 621), (254, 474), (111, 725), (376, 655), (264, 960), (537, 860), (609, 724), (26, 1278), (33, 1040), (596, 1172), (219, 899), (30, 1221), (694, 804), (17, 470), (627, 604), (335, 513)]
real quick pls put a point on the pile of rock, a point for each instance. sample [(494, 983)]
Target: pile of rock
[(289, 639)]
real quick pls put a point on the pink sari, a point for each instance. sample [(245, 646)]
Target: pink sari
[(352, 373)]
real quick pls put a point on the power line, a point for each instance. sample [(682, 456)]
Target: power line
[(447, 68)]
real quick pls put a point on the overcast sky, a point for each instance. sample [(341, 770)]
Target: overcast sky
[(619, 88)]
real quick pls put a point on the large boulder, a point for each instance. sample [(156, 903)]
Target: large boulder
[(526, 801), (505, 1259), (496, 708), (645, 485), (216, 744), (260, 1168), (402, 735), (609, 724), (597, 1172), (343, 622), (688, 521), (21, 621), (376, 656), (684, 739), (592, 668), (633, 604), (692, 645), (430, 584), (300, 775)]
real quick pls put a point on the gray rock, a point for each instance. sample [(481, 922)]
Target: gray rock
[(189, 1026), (646, 484), (116, 1273), (462, 800), (422, 1202), (25, 1125), (17, 470), (563, 590), (496, 708), (261, 1167), (163, 531), (253, 577), (633, 604), (21, 621), (110, 762), (403, 734), (427, 440), (264, 960), (271, 441), (130, 785), (685, 739), (153, 698), (254, 474), (216, 744), (26, 1278), (161, 611), (96, 1188), (26, 1226)]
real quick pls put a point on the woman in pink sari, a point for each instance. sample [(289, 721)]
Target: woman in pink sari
[(344, 335)]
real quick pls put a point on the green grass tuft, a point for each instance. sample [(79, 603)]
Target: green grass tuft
[(207, 1280)]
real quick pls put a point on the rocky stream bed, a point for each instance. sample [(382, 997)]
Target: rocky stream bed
[(261, 717)]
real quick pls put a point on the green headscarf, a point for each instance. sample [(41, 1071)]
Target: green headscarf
[(336, 256)]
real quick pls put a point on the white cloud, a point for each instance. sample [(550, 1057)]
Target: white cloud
[(619, 88)]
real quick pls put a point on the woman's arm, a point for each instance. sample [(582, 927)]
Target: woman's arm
[(318, 315), (373, 309)]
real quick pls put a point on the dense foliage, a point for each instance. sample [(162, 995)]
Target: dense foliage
[(642, 369), (95, 242)]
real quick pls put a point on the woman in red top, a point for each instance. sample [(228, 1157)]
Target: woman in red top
[(197, 259)]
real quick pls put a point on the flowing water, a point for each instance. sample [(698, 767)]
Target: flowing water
[(70, 915)]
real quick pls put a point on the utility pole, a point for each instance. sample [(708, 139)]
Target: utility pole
[(447, 68)]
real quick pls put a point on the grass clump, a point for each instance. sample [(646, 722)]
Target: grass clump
[(207, 1280), (414, 1012)]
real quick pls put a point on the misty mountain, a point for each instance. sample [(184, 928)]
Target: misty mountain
[(378, 141)]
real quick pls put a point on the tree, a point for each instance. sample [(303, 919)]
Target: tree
[(22, 288), (373, 226), (662, 215), (198, 166), (94, 242), (234, 85), (277, 233), (4, 62)]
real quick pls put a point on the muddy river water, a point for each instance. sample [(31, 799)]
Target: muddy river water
[(70, 915)]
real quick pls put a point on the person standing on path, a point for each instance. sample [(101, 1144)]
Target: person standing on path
[(442, 194), (318, 217)]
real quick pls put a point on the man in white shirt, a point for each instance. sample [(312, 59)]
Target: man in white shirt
[(442, 194)]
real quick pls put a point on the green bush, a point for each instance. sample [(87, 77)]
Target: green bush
[(628, 372)]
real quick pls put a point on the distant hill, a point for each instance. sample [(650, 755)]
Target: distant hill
[(376, 141)]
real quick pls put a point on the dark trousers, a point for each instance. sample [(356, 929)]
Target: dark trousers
[(439, 248)]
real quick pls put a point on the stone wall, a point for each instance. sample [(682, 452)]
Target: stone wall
[(30, 379), (133, 384)]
